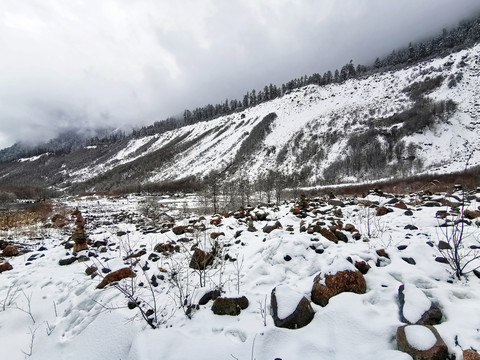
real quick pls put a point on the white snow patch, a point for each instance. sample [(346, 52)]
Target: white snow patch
[(420, 337), (287, 300), (416, 303)]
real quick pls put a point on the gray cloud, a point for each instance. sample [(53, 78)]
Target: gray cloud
[(129, 63)]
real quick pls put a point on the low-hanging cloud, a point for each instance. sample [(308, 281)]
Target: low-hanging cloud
[(124, 63)]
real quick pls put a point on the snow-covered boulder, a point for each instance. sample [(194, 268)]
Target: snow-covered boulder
[(290, 309), (421, 342), (416, 307)]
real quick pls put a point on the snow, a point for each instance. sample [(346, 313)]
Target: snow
[(416, 303), (420, 337), (74, 320), (287, 300)]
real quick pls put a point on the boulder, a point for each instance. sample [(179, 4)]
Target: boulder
[(421, 342), (336, 202), (471, 214), (416, 308), (216, 221), (5, 267), (382, 210), (342, 281), (200, 260), (90, 270), (215, 235), (115, 276), (229, 306), (166, 248), (10, 250), (289, 309), (401, 205), (350, 228), (211, 295), (470, 355), (341, 236), (179, 230), (362, 266), (326, 233)]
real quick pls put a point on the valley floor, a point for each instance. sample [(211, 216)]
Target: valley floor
[(49, 311)]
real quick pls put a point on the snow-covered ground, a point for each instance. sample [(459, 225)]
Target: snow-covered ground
[(48, 311)]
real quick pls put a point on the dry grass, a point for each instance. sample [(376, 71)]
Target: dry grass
[(33, 215), (469, 179)]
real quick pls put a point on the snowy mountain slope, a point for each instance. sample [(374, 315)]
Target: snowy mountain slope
[(317, 135)]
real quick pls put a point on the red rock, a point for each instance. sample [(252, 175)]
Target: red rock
[(342, 281), (5, 267), (401, 205), (10, 250), (382, 211), (200, 260), (439, 351), (470, 355), (116, 276)]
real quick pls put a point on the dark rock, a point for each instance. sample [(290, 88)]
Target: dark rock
[(68, 261), (477, 273), (121, 233), (287, 258), (343, 281), (402, 247), (410, 227), (442, 245), (106, 270), (341, 236), (32, 257), (438, 351), (153, 257), (336, 202), (408, 213), (441, 260), (319, 251), (42, 248), (132, 305), (409, 260), (301, 316), (211, 295), (356, 236), (441, 214), (229, 306)]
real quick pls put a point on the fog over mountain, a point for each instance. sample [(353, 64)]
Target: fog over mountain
[(121, 64)]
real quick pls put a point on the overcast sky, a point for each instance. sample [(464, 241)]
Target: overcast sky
[(132, 62)]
